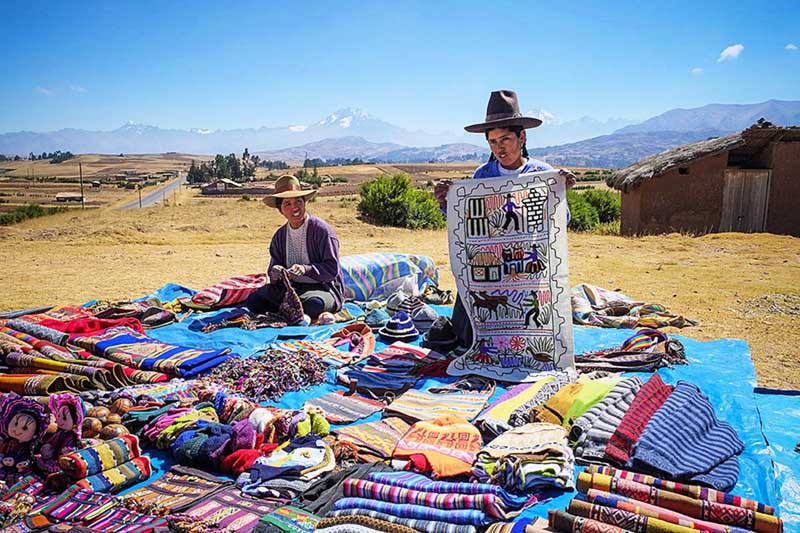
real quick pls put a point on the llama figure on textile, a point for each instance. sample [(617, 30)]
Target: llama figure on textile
[(67, 409), (22, 424)]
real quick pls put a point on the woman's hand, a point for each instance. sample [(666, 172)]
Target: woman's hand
[(440, 192), (296, 271), (569, 177), (275, 273)]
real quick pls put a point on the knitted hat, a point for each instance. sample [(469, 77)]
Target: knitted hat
[(424, 317), (394, 301), (377, 318), (410, 304), (399, 328), (441, 335)]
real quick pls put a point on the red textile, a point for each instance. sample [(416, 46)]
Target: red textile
[(241, 460), (647, 401), (91, 325), (230, 291)]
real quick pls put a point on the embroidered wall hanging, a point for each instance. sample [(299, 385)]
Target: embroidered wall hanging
[(508, 252)]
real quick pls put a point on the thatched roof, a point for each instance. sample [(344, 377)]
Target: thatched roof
[(743, 145), (485, 259), (632, 176)]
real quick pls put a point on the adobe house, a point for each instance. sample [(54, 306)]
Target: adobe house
[(748, 182)]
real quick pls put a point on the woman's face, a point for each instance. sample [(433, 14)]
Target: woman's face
[(22, 427), (294, 210), (64, 418), (506, 146)]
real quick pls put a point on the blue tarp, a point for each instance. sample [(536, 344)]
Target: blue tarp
[(723, 369)]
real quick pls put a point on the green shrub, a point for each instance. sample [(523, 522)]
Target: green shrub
[(606, 203), (584, 216), (393, 201), (24, 212), (245, 198)]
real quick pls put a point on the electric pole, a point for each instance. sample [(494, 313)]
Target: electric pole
[(83, 198)]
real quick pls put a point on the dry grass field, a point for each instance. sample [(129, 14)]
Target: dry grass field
[(741, 286)]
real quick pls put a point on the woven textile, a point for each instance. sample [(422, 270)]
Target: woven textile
[(487, 502), (367, 522), (106, 455), (77, 505), (465, 398), (645, 351), (704, 510), (118, 478), (47, 348), (101, 378), (288, 518), (624, 519), (685, 440), (493, 420), (377, 439), (648, 400), (444, 446), (591, 432), (340, 408), (358, 338), (425, 526), (29, 524), (232, 510), (616, 501), (694, 491), (472, 517), (572, 401), (44, 384), (401, 355), (322, 349), (563, 521), (526, 459), (175, 491), (596, 306), (129, 347), (230, 291), (521, 415), (122, 520), (38, 331)]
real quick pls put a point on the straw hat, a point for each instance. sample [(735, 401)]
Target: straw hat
[(288, 187)]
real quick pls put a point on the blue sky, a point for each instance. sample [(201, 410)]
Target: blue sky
[(419, 64)]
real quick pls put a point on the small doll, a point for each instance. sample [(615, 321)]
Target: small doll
[(67, 410), (22, 424)]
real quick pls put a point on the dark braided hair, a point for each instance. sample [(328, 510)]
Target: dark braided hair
[(517, 130)]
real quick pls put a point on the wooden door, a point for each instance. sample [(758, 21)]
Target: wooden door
[(744, 200)]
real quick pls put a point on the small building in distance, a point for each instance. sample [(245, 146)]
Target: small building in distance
[(222, 186), (69, 197), (748, 182)]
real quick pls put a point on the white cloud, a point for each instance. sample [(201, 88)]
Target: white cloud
[(732, 52), (791, 46), (697, 71), (45, 91), (78, 89)]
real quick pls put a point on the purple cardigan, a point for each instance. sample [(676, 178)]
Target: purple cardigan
[(323, 252)]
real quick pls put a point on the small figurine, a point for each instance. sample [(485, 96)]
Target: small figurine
[(22, 424), (67, 409)]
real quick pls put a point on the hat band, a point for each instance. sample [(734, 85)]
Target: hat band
[(501, 116)]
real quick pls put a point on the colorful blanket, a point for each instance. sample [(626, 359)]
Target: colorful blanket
[(378, 275), (231, 509), (375, 440), (129, 347), (175, 491), (104, 456), (230, 291), (595, 306), (472, 517), (118, 478)]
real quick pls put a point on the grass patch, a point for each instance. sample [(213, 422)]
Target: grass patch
[(25, 212)]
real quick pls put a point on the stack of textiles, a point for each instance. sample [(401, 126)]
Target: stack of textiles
[(493, 420), (572, 400), (527, 460), (288, 471), (375, 441), (129, 347), (109, 466), (443, 447), (165, 429), (522, 414), (645, 351), (596, 306), (341, 408), (465, 398), (636, 502), (417, 502), (389, 372)]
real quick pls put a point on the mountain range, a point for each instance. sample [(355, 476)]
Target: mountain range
[(351, 132)]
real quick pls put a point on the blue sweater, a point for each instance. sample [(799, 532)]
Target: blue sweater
[(492, 168)]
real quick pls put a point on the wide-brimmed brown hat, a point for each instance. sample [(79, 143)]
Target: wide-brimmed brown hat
[(288, 187), (503, 112)]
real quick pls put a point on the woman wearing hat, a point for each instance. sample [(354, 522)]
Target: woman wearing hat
[(504, 128), (305, 247)]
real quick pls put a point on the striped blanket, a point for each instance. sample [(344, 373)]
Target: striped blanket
[(377, 275), (106, 455), (229, 292)]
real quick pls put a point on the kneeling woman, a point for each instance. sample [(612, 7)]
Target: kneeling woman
[(305, 247)]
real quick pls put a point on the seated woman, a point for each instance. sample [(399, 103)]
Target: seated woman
[(307, 249)]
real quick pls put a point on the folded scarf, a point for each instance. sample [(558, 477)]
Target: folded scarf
[(694, 491), (118, 478), (685, 441), (104, 456)]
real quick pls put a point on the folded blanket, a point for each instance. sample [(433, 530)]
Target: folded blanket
[(118, 478), (104, 456), (230, 291), (472, 517), (232, 510), (44, 384), (375, 439), (465, 398), (39, 331), (341, 408)]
